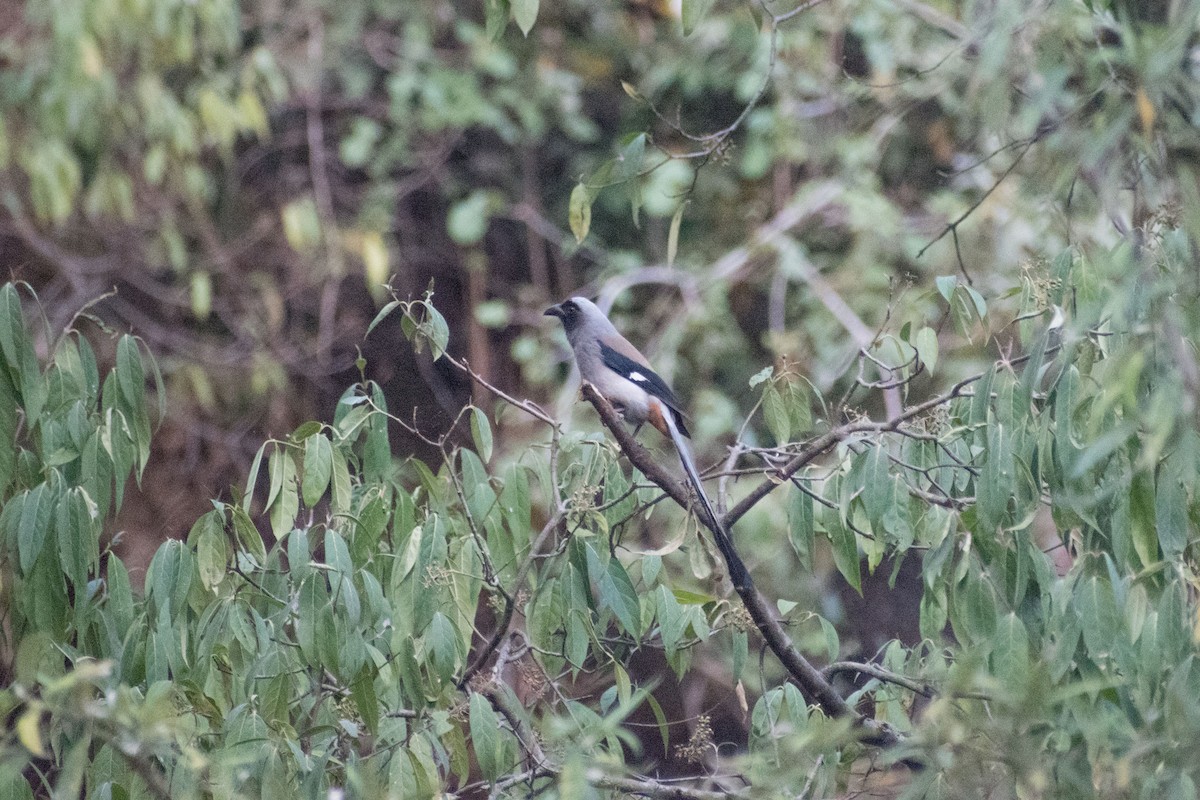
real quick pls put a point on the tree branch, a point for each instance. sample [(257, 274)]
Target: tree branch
[(807, 677)]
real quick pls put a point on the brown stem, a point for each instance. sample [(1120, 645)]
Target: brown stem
[(808, 677)]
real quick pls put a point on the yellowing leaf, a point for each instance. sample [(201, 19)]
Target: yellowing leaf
[(301, 225), (1145, 110), (580, 212), (201, 294), (29, 732), (375, 263), (90, 58)]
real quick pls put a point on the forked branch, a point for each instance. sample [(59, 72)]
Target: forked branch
[(807, 677)]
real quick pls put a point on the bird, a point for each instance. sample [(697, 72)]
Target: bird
[(624, 377)]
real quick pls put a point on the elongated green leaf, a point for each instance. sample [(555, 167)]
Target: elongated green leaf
[(629, 162), (876, 486), (212, 554), (247, 535), (801, 526), (845, 551), (673, 235), (318, 468), (1097, 608), (342, 487), (286, 502), (775, 412), (8, 430), (18, 352), (1170, 504), (34, 526), (442, 642), (485, 737), (252, 477), (671, 619), (481, 433), (384, 312), (617, 592), (1010, 650), (363, 692)]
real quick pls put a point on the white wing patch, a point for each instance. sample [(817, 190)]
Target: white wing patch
[(637, 377)]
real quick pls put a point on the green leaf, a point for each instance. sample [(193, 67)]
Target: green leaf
[(1141, 520), (661, 718), (946, 285), (120, 595), (486, 738), (8, 431), (169, 577), (776, 415), (77, 532), (285, 504), (845, 551), (410, 550), (212, 556), (876, 485), (318, 468), (442, 642), (18, 352), (363, 692), (673, 235), (252, 477), (1170, 503), (340, 480), (131, 377), (579, 212), (525, 13), (926, 343), (629, 161), (1010, 650), (741, 649), (979, 608), (247, 535), (481, 433), (437, 331), (671, 619), (34, 525), (1096, 605), (313, 597), (617, 592), (383, 314), (832, 643), (801, 526)]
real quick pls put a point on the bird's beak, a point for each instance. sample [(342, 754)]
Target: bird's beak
[(553, 311)]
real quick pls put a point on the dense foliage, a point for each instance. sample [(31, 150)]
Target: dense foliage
[(927, 272)]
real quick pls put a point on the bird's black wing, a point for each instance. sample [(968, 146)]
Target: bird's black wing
[(645, 377)]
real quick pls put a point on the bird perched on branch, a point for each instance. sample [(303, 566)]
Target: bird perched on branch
[(625, 378)]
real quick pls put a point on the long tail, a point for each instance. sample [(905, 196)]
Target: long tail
[(737, 570)]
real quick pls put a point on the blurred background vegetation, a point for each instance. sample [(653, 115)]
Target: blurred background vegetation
[(235, 183)]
